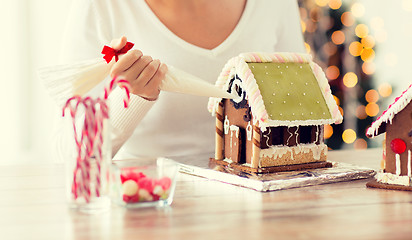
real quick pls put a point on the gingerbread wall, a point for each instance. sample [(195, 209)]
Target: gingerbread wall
[(401, 127), (236, 117)]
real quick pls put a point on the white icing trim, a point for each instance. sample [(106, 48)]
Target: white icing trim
[(226, 125), (398, 164), (390, 178), (409, 163), (249, 131), (280, 150), (234, 128), (387, 116)]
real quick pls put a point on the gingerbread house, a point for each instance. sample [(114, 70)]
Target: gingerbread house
[(396, 123), (283, 100)]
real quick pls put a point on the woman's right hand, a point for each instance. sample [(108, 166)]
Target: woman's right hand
[(143, 73)]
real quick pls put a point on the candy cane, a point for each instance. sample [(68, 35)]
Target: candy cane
[(89, 143), (121, 83)]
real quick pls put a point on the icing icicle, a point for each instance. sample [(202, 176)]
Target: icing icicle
[(398, 164)]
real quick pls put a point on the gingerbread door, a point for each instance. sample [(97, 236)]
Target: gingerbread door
[(235, 144)]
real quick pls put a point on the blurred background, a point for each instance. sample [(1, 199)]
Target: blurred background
[(363, 46)]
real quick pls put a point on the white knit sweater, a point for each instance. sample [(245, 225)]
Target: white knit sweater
[(176, 124)]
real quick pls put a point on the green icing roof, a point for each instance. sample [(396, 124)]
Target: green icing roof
[(290, 91)]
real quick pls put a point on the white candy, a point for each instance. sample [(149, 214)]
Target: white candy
[(158, 190), (130, 188), (145, 195)]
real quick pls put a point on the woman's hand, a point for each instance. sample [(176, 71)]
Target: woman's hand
[(143, 73)]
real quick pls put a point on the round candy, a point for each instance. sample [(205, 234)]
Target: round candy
[(398, 145), (130, 188)]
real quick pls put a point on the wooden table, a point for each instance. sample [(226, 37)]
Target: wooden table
[(32, 206)]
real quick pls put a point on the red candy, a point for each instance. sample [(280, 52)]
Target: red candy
[(130, 174), (398, 145), (149, 189), (146, 184), (164, 182)]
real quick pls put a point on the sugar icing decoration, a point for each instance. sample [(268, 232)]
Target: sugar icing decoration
[(387, 116)]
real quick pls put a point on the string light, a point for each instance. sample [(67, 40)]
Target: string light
[(347, 19), (338, 37), (361, 30), (332, 72), (335, 4), (355, 49), (368, 68), (372, 109), (385, 89), (350, 79), (328, 131), (360, 112), (368, 41), (349, 136), (360, 143), (368, 54), (358, 10), (372, 96), (321, 3)]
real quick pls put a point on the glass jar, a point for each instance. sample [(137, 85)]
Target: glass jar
[(143, 182), (87, 171)]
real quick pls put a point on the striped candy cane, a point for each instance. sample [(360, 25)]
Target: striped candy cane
[(90, 140)]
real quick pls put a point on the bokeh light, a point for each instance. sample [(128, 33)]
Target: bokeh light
[(335, 4), (332, 72), (360, 112), (347, 19), (349, 136), (369, 68), (350, 79), (360, 143), (358, 10), (368, 55), (338, 37), (355, 49), (385, 89), (328, 131), (361, 30), (372, 96), (329, 48), (322, 3), (372, 109), (368, 42)]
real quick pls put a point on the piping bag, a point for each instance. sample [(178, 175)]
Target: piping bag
[(65, 81)]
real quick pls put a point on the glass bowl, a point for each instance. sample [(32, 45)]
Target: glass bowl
[(143, 182)]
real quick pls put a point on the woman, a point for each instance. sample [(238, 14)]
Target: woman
[(197, 36)]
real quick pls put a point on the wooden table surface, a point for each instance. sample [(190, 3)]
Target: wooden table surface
[(32, 206)]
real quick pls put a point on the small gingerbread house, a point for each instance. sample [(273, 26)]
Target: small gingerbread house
[(396, 122), (283, 100)]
